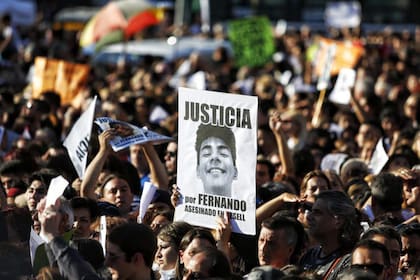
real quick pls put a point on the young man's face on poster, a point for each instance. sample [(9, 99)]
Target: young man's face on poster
[(216, 167)]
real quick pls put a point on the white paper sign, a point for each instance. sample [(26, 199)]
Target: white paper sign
[(341, 93), (217, 151), (379, 158), (128, 134), (324, 79), (55, 190), (333, 161), (77, 142), (102, 233), (34, 241), (147, 195), (343, 14)]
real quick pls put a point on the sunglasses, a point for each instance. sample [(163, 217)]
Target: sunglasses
[(374, 267), (195, 276), (170, 154)]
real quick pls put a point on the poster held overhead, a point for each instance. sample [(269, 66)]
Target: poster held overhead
[(128, 134), (77, 142), (217, 151)]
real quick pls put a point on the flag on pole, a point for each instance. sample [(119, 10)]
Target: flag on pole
[(77, 142)]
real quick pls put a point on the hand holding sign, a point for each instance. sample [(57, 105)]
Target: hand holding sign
[(127, 134)]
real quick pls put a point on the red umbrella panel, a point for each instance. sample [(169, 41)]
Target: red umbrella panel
[(142, 20)]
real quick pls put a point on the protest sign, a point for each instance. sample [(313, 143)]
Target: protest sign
[(147, 195), (341, 93), (252, 41), (324, 78), (55, 190), (128, 134), (217, 151), (379, 158), (63, 77), (347, 55), (343, 14), (77, 142)]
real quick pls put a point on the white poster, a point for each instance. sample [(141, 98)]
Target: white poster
[(128, 134), (345, 82), (77, 142), (343, 14), (217, 149), (379, 158)]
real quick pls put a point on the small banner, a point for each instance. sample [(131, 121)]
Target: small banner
[(347, 55), (252, 40), (77, 142), (65, 78)]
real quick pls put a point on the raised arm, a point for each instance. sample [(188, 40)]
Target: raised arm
[(285, 155), (87, 188), (158, 174), (270, 207), (70, 264)]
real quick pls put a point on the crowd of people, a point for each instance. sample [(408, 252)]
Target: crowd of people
[(322, 211)]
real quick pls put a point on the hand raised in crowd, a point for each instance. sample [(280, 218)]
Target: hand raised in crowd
[(175, 196), (275, 123), (105, 138), (49, 218), (223, 232)]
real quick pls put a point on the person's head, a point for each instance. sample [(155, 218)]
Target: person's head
[(130, 250), (410, 239), (38, 187), (116, 190), (280, 241), (216, 158), (352, 169), (85, 212), (209, 262), (168, 241), (387, 195), (312, 184), (90, 250), (161, 218), (368, 131), (334, 216), (389, 237), (357, 274), (411, 185), (264, 171), (192, 242), (171, 157), (373, 256)]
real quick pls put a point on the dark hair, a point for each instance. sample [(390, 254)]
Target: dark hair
[(387, 191), (196, 233), (174, 232), (45, 175), (294, 231), (216, 262), (90, 250), (86, 203), (339, 204), (387, 231), (313, 174), (270, 166), (205, 131), (409, 229), (187, 239), (357, 274), (374, 245), (135, 238)]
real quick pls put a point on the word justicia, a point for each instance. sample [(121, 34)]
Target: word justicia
[(217, 115)]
